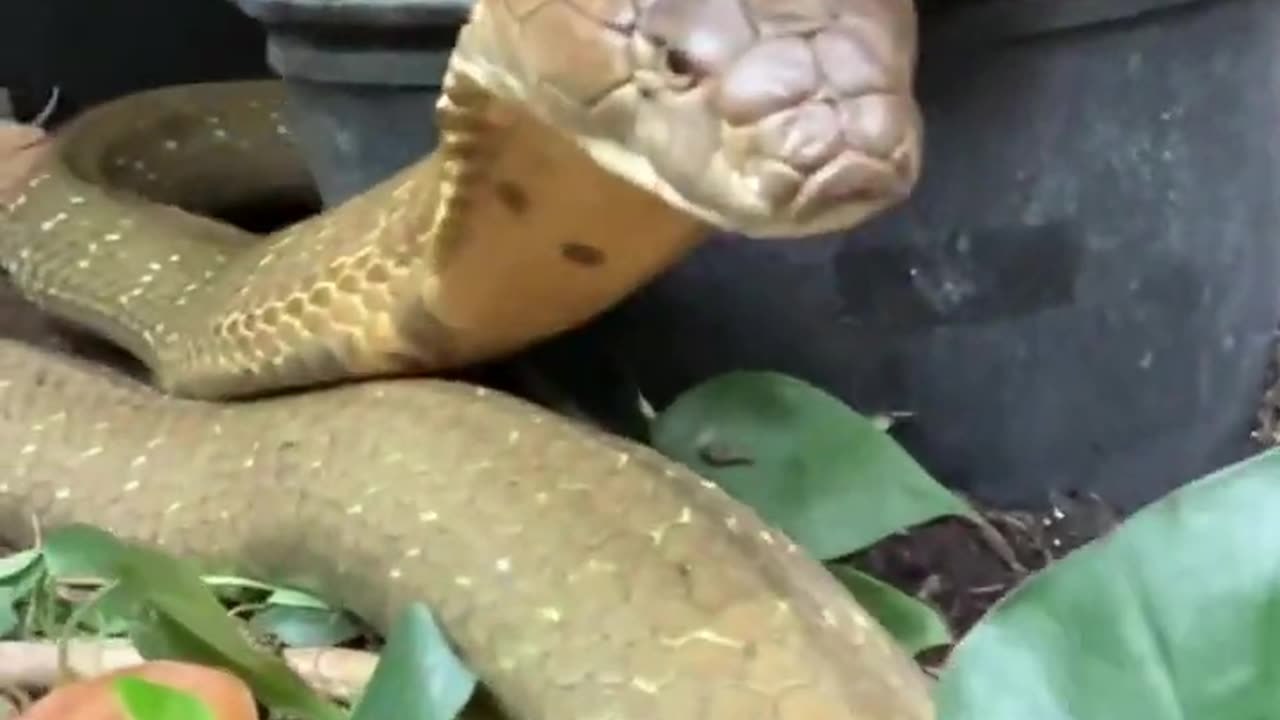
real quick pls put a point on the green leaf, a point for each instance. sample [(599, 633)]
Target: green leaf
[(16, 563), (307, 627), (914, 624), (418, 676), (234, 591), (9, 618), (111, 614), (82, 551), (146, 700), (296, 598), (278, 595), (27, 581), (43, 607), (236, 581), (182, 616), (1174, 615), (78, 553), (810, 465), (20, 586)]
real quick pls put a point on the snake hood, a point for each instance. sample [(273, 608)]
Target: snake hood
[(770, 118)]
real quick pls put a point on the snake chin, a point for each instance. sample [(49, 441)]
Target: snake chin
[(816, 166), (768, 198)]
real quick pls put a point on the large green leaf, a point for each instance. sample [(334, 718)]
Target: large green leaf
[(810, 465), (1174, 616)]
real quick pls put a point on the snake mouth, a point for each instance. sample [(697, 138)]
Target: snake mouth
[(819, 167)]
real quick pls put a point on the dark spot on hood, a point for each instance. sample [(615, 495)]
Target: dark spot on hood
[(582, 254)]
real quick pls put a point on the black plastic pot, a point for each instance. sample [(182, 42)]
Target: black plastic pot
[(362, 80), (1079, 296), (1082, 294), (95, 51)]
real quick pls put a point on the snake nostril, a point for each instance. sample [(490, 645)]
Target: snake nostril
[(679, 62)]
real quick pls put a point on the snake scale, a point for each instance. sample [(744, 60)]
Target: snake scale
[(585, 146)]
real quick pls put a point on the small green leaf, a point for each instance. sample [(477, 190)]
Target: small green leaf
[(236, 591), (296, 598), (307, 627), (111, 614), (182, 616), (146, 700), (824, 474), (80, 551), (12, 565), (418, 676), (19, 587), (1175, 615), (27, 581), (278, 595), (914, 624), (10, 621), (43, 606), (236, 581)]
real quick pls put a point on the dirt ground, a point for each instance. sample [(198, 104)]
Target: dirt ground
[(962, 571)]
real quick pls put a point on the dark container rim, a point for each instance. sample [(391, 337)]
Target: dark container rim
[(995, 23)]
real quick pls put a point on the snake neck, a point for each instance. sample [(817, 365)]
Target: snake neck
[(506, 235), (533, 236)]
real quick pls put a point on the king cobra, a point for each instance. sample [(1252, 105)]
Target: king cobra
[(584, 147)]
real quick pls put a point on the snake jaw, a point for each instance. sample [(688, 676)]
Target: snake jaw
[(804, 171)]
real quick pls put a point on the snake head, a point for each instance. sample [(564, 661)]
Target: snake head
[(765, 117)]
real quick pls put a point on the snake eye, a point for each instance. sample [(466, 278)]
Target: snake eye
[(671, 65), (683, 71), (679, 63)]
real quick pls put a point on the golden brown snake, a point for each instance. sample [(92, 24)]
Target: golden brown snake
[(584, 148)]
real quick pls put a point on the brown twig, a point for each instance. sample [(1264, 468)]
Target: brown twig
[(339, 673)]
